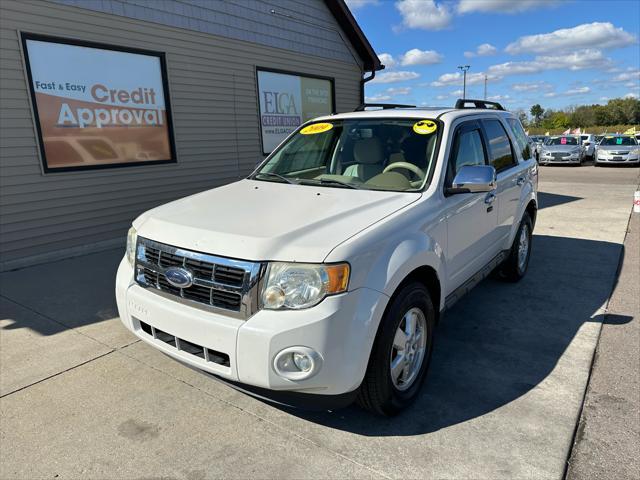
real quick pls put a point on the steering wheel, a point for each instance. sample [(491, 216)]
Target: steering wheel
[(406, 166)]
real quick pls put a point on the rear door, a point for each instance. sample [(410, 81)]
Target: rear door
[(511, 177), (471, 217)]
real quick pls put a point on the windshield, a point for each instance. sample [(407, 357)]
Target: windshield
[(618, 141), (562, 141), (373, 154)]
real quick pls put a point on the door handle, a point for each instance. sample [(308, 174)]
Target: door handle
[(520, 181), (490, 198)]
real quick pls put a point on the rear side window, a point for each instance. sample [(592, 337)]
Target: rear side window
[(500, 153), (521, 138)]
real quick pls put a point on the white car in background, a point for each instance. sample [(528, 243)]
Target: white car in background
[(618, 149), (589, 143), (320, 278)]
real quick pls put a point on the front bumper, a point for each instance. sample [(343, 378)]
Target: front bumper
[(619, 160), (560, 161), (341, 329)]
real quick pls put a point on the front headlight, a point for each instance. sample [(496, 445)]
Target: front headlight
[(302, 285), (132, 240), (635, 152)]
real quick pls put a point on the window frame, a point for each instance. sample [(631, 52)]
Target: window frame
[(463, 127), (514, 156)]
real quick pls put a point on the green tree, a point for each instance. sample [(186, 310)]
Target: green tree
[(536, 112)]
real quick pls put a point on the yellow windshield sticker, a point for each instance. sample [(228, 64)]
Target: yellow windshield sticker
[(424, 127), (316, 128)]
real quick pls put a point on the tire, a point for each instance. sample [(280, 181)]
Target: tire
[(514, 267), (379, 392)]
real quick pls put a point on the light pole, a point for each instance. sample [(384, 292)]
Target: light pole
[(485, 87), (464, 69)]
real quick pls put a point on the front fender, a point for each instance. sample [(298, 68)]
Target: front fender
[(383, 266)]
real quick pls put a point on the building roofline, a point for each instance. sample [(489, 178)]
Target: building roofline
[(356, 36)]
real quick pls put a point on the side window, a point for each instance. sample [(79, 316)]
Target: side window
[(521, 138), (467, 150), (500, 153)]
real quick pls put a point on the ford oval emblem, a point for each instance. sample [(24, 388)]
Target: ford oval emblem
[(179, 277)]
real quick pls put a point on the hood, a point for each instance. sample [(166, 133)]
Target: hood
[(618, 148), (256, 220), (560, 148)]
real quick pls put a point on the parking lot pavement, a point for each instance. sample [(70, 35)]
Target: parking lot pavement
[(83, 399)]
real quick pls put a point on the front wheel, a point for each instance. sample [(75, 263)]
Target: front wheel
[(516, 264), (401, 352)]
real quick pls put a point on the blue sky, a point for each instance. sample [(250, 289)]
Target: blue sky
[(553, 52)]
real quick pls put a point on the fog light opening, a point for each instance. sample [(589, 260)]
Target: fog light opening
[(297, 363)]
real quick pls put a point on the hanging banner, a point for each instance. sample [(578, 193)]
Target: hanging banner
[(98, 106), (287, 100)]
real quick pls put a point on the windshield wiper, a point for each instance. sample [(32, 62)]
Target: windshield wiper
[(329, 181), (277, 175)]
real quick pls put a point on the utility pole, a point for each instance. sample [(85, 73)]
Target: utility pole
[(485, 86), (464, 69)]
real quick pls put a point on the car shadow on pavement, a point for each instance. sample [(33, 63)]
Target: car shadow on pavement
[(546, 200), (502, 340)]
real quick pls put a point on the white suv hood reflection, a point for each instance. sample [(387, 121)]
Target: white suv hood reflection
[(257, 220)]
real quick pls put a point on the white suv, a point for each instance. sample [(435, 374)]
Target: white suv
[(321, 277)]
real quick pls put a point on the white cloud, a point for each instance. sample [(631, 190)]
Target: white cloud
[(441, 97), (580, 60), (497, 98), (589, 35), (631, 95), (416, 56), (424, 14), (377, 98), (530, 87), (625, 77), (449, 79), (456, 93), (503, 6), (572, 92), (387, 60), (484, 50), (398, 90), (356, 4), (577, 91), (392, 77)]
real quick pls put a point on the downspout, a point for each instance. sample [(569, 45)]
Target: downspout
[(362, 82)]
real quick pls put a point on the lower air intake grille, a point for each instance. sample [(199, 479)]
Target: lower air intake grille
[(182, 345)]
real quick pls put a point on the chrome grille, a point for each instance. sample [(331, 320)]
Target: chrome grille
[(220, 284), (558, 156)]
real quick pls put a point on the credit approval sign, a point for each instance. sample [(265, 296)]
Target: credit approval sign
[(287, 100), (97, 106)]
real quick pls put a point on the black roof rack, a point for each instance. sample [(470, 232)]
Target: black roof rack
[(462, 103), (384, 106)]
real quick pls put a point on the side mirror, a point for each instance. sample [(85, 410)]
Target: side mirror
[(474, 179)]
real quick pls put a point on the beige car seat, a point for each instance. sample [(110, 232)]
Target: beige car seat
[(369, 155)]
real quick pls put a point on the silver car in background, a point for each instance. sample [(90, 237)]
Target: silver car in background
[(563, 150), (618, 149)]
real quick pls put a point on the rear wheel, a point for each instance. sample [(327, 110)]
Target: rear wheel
[(401, 352), (516, 264)]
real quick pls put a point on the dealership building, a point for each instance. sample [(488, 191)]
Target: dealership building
[(111, 107)]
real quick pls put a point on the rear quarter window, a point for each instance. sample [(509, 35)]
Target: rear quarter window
[(521, 138)]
